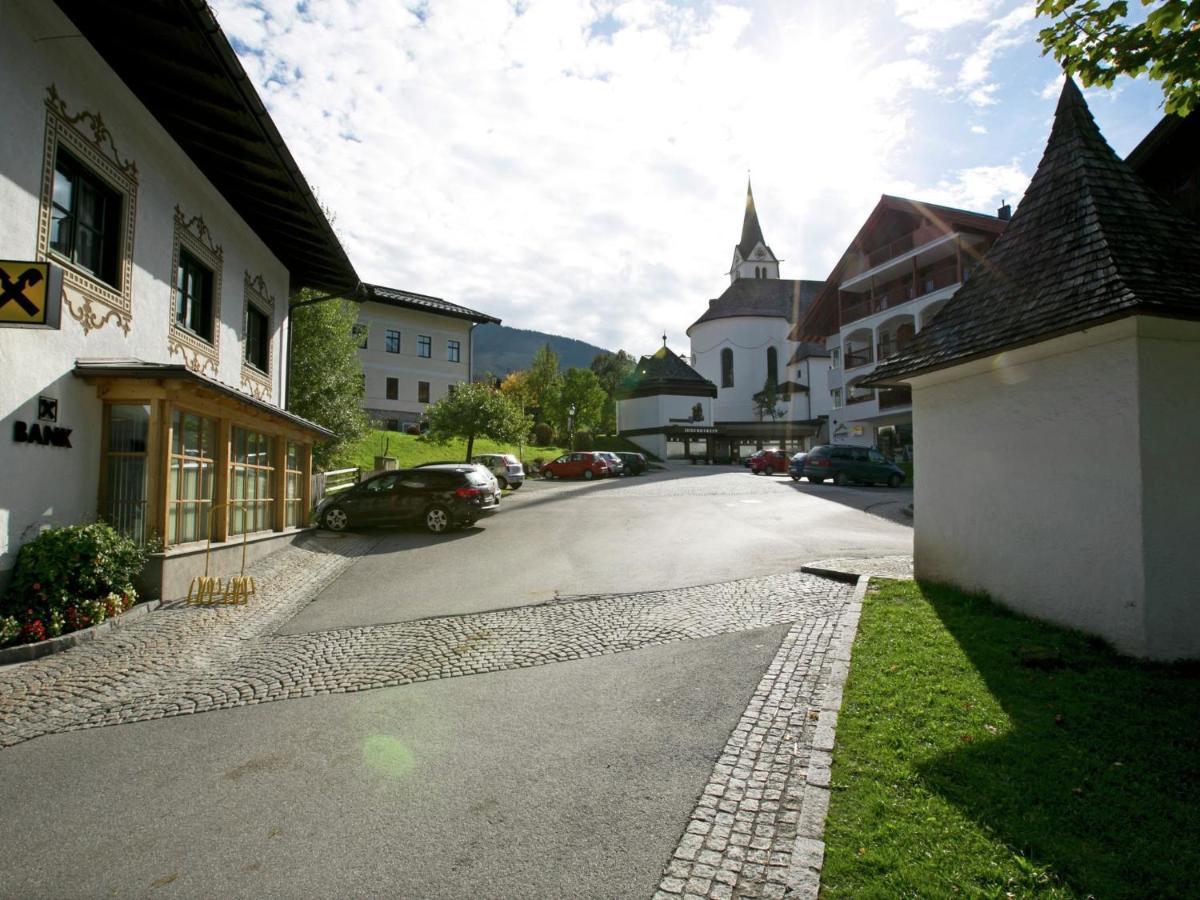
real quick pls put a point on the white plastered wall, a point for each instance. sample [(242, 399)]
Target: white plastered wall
[(657, 412), (45, 485), (1044, 479), (748, 337), (406, 366)]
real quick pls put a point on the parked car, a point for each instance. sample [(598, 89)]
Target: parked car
[(493, 482), (768, 462), (796, 465), (440, 497), (584, 464), (616, 465), (635, 463), (851, 464), (507, 468)]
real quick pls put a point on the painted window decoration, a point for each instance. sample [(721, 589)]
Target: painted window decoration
[(251, 473), (258, 338), (424, 346), (85, 219), (293, 504), (393, 388), (453, 351), (773, 365), (391, 341), (360, 332), (422, 391), (192, 477), (125, 469), (727, 368)]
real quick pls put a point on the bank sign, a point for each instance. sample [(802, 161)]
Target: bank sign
[(30, 294)]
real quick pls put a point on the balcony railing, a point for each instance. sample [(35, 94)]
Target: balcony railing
[(890, 398), (858, 358), (865, 397), (893, 294)]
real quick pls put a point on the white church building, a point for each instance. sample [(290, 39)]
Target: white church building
[(740, 348)]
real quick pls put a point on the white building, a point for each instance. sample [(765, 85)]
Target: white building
[(145, 184), (739, 344), (1056, 398), (413, 348), (901, 268), (666, 406)]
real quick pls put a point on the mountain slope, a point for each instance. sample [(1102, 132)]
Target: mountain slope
[(500, 349)]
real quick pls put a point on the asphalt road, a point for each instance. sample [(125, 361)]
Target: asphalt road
[(689, 525), (572, 780)]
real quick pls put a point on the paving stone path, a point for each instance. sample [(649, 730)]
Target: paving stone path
[(182, 659)]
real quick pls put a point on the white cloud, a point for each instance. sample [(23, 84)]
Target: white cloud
[(976, 71), (977, 188), (978, 129), (942, 15)]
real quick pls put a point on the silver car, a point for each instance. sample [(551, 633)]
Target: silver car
[(504, 466), (616, 465)]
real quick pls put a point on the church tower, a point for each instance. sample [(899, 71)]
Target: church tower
[(752, 258)]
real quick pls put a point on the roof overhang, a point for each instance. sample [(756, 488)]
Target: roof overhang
[(374, 293), (176, 60), (99, 371)]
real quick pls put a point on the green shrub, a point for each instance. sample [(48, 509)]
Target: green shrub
[(70, 578), (584, 440), (543, 434)]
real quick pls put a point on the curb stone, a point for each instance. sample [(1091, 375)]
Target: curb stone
[(29, 652), (808, 855)]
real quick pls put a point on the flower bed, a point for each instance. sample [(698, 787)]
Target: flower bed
[(67, 579)]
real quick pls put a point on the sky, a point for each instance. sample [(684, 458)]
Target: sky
[(579, 166)]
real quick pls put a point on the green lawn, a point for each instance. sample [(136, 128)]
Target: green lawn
[(412, 451), (981, 754)]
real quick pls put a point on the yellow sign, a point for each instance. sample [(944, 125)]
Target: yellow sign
[(29, 293)]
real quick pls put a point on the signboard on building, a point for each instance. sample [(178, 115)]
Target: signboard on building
[(30, 294)]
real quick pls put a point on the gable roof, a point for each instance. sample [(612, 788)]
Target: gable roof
[(821, 318), (175, 59), (377, 293), (773, 298), (664, 373), (1089, 243)]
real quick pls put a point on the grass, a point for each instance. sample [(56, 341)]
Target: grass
[(982, 754), (411, 451)]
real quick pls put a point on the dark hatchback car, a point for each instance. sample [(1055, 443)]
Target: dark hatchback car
[(440, 497), (851, 464), (796, 465), (635, 463)]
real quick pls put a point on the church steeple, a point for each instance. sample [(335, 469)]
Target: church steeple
[(752, 258)]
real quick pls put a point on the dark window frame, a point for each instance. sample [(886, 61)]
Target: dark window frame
[(391, 388), (391, 341), (424, 346), (727, 368), (257, 352), (422, 391), (453, 351), (83, 179), (194, 311)]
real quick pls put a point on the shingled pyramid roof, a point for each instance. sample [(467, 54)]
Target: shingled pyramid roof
[(665, 373), (1090, 243)]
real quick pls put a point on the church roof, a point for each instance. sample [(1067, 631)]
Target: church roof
[(751, 231), (773, 298), (665, 373), (1089, 243), (806, 350)]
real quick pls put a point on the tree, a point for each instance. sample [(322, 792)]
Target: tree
[(475, 410), (766, 401), (542, 380), (326, 383), (612, 369), (1095, 41), (579, 388)]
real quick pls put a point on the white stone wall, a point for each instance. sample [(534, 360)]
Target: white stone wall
[(44, 485), (748, 337), (1058, 478), (656, 412), (407, 366)]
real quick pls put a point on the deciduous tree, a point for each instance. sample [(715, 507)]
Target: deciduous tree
[(1097, 41), (612, 369), (475, 410), (326, 383)]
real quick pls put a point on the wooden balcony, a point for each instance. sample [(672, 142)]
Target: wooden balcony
[(890, 398)]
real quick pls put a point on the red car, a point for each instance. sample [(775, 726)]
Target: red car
[(576, 465), (768, 462)]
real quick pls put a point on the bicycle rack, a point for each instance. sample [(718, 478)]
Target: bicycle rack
[(206, 590)]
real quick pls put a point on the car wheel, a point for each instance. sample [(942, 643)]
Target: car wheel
[(517, 485), (841, 478), (548, 475), (588, 474), (503, 482), (812, 480), (795, 478), (335, 519), (437, 519), (769, 470), (895, 481)]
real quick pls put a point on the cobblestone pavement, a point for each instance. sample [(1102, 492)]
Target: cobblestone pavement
[(183, 660), (750, 835), (900, 567)]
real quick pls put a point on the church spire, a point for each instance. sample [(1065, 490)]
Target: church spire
[(752, 258), (751, 231)]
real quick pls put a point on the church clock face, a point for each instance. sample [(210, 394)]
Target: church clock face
[(758, 254)]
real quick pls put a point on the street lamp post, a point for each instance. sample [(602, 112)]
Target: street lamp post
[(571, 426)]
